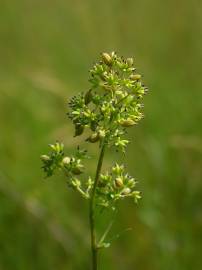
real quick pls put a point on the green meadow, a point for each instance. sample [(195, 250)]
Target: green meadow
[(46, 50)]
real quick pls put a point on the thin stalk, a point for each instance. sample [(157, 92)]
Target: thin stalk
[(94, 247), (102, 239)]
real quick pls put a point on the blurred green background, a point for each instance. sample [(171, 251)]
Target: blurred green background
[(46, 49)]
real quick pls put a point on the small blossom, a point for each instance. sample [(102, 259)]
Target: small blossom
[(106, 110)]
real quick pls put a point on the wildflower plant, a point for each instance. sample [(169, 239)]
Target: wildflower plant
[(107, 110)]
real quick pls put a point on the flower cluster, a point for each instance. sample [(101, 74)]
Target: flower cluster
[(107, 110), (116, 185), (113, 102), (71, 166), (53, 161)]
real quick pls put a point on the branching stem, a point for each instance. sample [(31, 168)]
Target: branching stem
[(94, 247)]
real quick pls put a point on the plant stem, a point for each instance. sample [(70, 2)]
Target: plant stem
[(94, 247)]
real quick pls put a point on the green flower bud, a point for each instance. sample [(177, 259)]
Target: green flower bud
[(126, 191), (141, 91), (119, 93), (78, 130), (118, 169), (107, 58), (66, 160), (139, 85), (129, 99), (135, 77), (57, 147), (129, 61), (131, 183), (106, 87), (45, 158), (118, 182), (105, 177), (136, 195), (127, 122)]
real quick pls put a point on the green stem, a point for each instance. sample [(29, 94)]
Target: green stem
[(94, 247)]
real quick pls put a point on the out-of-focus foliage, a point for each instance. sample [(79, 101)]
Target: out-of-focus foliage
[(45, 49)]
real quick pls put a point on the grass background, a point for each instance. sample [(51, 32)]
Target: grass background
[(46, 49)]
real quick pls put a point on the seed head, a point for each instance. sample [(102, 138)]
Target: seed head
[(66, 160), (94, 137), (106, 59), (129, 61), (79, 129), (78, 169), (126, 191), (127, 123), (135, 77), (118, 182), (45, 158)]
